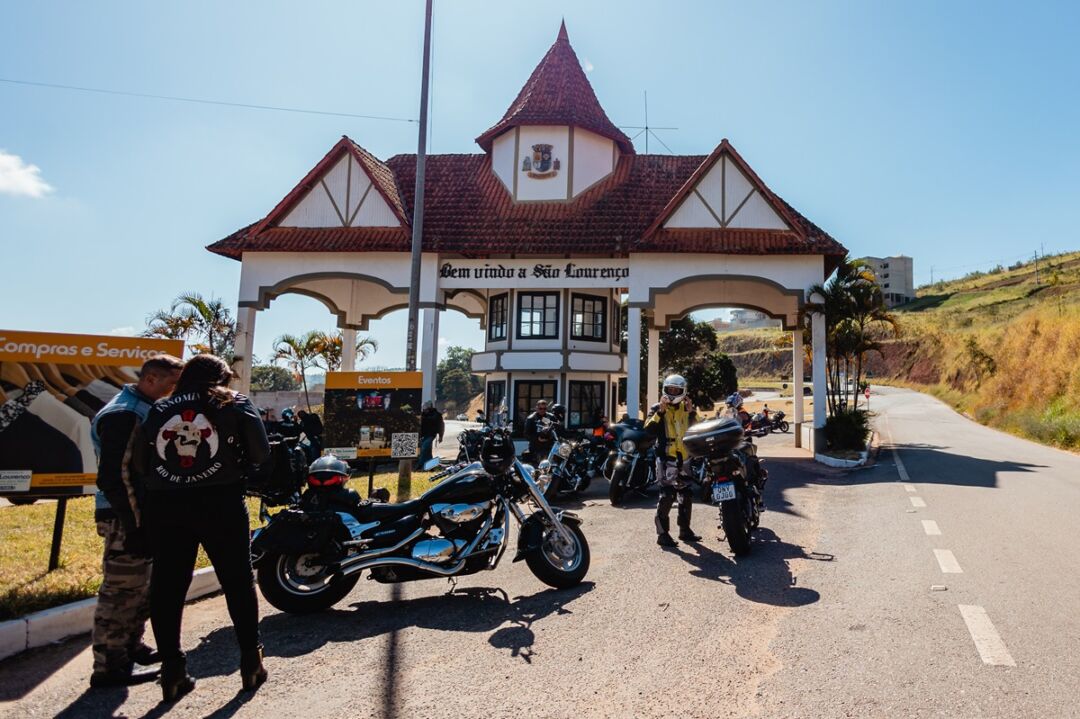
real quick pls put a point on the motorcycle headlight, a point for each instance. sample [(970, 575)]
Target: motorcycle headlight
[(544, 466), (564, 450), (628, 446)]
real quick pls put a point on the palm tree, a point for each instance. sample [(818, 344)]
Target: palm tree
[(206, 325), (331, 349), (300, 354)]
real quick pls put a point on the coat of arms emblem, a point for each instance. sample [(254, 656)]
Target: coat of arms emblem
[(540, 163)]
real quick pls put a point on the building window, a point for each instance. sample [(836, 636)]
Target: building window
[(496, 391), (588, 318), (538, 315), (884, 265), (885, 276), (526, 394), (886, 284), (497, 318), (586, 405)]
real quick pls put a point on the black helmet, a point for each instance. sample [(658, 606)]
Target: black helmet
[(497, 453), (558, 411), (328, 471)]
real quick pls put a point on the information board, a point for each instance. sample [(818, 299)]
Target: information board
[(51, 386), (372, 414)]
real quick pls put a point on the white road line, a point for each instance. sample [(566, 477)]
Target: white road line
[(917, 502), (910, 488), (931, 528), (947, 562), (900, 468), (992, 650)]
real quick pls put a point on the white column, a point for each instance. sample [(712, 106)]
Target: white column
[(633, 363), (348, 350), (652, 391), (797, 384), (821, 402), (429, 354), (244, 348)]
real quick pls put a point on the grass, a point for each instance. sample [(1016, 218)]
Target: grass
[(26, 586)]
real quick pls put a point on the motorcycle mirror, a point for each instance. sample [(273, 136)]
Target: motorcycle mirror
[(431, 465)]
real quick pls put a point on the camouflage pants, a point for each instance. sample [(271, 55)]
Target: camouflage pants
[(123, 600)]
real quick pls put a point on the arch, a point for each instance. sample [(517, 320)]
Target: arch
[(480, 315), (688, 294), (266, 293), (742, 305)]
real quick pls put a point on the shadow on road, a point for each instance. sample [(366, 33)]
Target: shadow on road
[(763, 576), (22, 676)]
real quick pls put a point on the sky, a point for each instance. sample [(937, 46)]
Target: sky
[(944, 131)]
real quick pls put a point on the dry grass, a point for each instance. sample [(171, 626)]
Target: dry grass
[(26, 532)]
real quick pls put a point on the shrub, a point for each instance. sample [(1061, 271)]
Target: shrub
[(848, 430)]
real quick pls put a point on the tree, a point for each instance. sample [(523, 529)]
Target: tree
[(299, 354), (206, 325), (270, 378), (331, 347), (454, 377)]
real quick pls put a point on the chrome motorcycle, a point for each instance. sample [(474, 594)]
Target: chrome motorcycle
[(309, 556)]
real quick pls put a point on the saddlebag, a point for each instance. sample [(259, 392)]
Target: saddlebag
[(292, 531)]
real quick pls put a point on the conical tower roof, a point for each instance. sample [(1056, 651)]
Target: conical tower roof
[(558, 93)]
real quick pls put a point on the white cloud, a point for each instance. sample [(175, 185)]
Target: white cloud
[(586, 65), (444, 342), (127, 331), (20, 179)]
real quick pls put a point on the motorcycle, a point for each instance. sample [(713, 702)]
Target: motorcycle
[(777, 423), (469, 441), (634, 467), (309, 556), (732, 473), (562, 470)]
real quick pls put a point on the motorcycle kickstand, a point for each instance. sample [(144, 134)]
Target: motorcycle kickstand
[(453, 584)]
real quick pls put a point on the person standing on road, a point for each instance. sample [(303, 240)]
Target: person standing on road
[(432, 426), (539, 441), (123, 600), (192, 454), (669, 421)]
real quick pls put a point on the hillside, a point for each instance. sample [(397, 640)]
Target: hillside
[(1000, 345), (758, 354)]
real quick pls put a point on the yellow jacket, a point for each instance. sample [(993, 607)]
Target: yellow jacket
[(670, 427)]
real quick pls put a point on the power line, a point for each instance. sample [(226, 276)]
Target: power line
[(202, 101)]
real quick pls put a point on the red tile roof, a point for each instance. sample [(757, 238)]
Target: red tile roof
[(558, 93), (469, 212)]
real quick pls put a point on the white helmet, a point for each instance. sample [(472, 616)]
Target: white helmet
[(675, 388)]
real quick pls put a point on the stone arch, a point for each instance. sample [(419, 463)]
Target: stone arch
[(696, 292)]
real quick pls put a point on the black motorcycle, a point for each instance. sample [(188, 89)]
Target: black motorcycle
[(560, 470), (469, 442), (310, 555), (732, 473), (777, 423), (634, 467)]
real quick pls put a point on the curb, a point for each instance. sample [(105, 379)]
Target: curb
[(68, 620), (847, 463)]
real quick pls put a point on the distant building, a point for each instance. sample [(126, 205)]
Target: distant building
[(746, 320), (896, 277)]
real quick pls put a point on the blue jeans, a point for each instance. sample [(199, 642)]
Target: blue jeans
[(426, 444)]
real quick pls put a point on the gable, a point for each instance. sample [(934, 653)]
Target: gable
[(343, 197), (725, 197)]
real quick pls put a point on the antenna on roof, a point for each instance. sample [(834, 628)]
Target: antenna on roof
[(648, 129)]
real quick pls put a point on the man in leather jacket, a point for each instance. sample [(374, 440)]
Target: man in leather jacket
[(668, 421), (539, 442)]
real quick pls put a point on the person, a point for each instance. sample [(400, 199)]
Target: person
[(539, 441), (601, 427), (431, 426), (481, 417), (313, 429), (287, 427), (668, 422), (191, 456), (123, 604)]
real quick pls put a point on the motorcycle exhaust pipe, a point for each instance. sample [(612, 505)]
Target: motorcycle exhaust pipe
[(376, 559)]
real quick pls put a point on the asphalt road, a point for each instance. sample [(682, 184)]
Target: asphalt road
[(843, 609)]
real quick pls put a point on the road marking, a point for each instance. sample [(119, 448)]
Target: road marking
[(931, 528), (992, 650), (900, 468), (947, 562), (917, 502), (910, 488)]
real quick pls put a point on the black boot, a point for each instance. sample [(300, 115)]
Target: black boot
[(686, 504), (687, 535), (122, 677), (252, 671), (175, 681), (665, 540), (142, 654)]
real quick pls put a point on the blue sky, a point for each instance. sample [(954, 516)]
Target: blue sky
[(945, 131)]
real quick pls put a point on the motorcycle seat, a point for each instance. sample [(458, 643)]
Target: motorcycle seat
[(388, 511)]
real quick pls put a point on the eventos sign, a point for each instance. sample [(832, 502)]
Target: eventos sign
[(51, 348), (584, 273)]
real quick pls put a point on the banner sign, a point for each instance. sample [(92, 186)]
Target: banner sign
[(527, 273), (372, 414), (51, 386)]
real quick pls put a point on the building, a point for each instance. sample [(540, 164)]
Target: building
[(742, 319), (541, 236), (896, 276)]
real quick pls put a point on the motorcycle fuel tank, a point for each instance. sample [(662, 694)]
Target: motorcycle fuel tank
[(466, 487)]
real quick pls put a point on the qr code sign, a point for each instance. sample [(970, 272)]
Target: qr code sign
[(404, 444)]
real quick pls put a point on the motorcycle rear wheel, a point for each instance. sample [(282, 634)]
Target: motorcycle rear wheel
[(784, 427), (556, 569), (280, 579), (736, 525)]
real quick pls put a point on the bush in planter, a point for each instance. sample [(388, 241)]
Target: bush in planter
[(848, 430)]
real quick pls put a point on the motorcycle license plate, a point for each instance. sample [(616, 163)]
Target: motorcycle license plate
[(723, 491)]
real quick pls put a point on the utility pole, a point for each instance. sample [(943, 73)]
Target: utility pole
[(405, 467), (1036, 268), (931, 274)]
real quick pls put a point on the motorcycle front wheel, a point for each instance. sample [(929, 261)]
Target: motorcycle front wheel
[(736, 525), (784, 426), (299, 584), (617, 487), (560, 564)]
